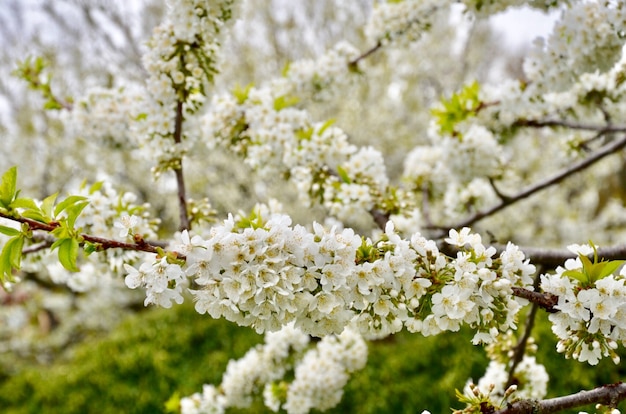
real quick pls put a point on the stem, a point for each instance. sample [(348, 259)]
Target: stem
[(180, 180), (546, 301), (608, 149), (571, 125), (140, 245), (608, 395), (520, 348)]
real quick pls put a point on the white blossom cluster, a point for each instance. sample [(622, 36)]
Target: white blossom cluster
[(104, 214), (182, 58), (270, 274), (319, 374), (315, 156), (591, 321), (319, 77), (588, 37), (402, 21), (531, 380), (102, 115)]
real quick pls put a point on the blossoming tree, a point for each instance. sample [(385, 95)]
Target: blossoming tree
[(491, 154)]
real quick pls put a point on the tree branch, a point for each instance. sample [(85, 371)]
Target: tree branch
[(353, 63), (606, 150), (546, 301), (608, 395), (102, 243), (571, 125), (520, 348), (184, 223)]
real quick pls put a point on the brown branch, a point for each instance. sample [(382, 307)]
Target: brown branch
[(547, 301), (354, 62), (180, 180), (102, 243), (605, 129), (552, 258), (607, 395), (520, 349), (606, 150)]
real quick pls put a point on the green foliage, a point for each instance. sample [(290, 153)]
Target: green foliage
[(459, 107), (151, 356), (285, 101), (241, 94), (156, 355), (32, 71), (592, 272)]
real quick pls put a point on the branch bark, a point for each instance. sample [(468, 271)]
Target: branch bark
[(184, 223), (604, 151), (608, 395)]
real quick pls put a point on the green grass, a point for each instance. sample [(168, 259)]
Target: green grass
[(156, 353)]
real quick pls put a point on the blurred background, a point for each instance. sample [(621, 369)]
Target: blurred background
[(101, 351)]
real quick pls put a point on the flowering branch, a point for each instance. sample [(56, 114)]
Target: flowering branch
[(606, 150), (608, 395), (102, 243)]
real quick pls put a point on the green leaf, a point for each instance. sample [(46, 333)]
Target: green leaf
[(11, 257), (69, 201), (27, 203), (343, 175), (285, 70), (9, 231), (74, 211), (68, 254), (609, 268), (324, 127), (95, 187), (241, 94), (47, 204), (8, 187), (575, 274), (285, 101)]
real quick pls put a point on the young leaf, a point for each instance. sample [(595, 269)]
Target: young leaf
[(610, 268), (8, 187), (47, 204), (343, 174), (68, 254), (74, 211), (9, 231), (69, 201), (11, 257), (575, 274)]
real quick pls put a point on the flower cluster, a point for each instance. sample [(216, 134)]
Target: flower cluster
[(104, 215), (588, 37), (261, 125), (182, 57), (402, 20), (319, 374), (265, 273), (591, 321)]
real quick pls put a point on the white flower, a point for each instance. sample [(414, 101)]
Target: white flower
[(126, 224)]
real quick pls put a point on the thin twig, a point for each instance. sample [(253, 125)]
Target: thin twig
[(100, 242), (354, 62), (608, 395), (180, 180), (571, 125), (520, 348), (606, 150)]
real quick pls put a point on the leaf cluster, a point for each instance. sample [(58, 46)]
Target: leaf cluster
[(59, 219), (461, 105)]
